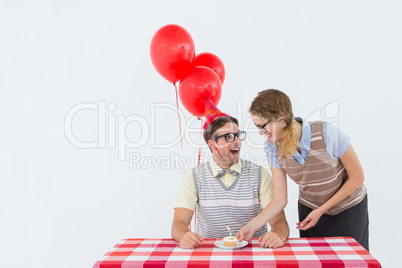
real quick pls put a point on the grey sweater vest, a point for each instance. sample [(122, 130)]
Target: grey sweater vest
[(219, 206)]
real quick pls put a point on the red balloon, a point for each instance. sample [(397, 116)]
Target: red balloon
[(172, 52), (211, 61), (201, 84)]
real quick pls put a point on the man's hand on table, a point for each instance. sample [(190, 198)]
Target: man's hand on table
[(191, 240), (271, 240)]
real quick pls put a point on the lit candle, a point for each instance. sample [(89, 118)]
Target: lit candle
[(230, 233)]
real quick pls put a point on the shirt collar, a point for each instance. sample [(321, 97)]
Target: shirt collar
[(214, 167), (305, 140)]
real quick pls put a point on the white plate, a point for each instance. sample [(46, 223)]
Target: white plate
[(221, 245)]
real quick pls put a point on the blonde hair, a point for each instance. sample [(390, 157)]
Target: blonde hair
[(274, 105)]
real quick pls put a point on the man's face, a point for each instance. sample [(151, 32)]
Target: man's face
[(229, 151)]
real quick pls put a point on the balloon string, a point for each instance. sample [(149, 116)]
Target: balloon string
[(195, 218), (178, 115), (207, 100), (215, 147), (199, 159), (199, 150)]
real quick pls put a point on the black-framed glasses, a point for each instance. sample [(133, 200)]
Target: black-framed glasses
[(230, 137), (262, 128)]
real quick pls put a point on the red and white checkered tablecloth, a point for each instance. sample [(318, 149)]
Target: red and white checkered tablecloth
[(297, 252)]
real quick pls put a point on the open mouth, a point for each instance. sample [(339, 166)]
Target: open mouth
[(235, 152)]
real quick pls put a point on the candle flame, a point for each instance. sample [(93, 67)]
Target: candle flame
[(228, 228)]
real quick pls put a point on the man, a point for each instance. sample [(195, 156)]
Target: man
[(227, 191)]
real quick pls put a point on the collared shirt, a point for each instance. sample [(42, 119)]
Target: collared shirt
[(336, 143), (187, 195)]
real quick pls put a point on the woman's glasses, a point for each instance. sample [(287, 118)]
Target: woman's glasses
[(262, 128)]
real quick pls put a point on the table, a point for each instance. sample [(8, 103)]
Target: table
[(297, 252)]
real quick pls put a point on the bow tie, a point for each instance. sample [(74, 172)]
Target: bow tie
[(223, 172)]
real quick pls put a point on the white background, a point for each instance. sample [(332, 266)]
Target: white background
[(64, 206)]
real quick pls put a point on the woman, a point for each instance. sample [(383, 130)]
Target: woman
[(320, 159)]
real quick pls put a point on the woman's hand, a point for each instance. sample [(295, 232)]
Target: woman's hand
[(245, 233), (310, 221)]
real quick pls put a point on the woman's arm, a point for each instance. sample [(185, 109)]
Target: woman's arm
[(274, 207), (356, 177)]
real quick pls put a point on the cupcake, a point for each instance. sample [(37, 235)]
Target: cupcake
[(230, 241)]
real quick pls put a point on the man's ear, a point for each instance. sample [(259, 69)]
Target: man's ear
[(211, 145)]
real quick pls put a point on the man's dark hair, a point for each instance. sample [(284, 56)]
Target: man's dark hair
[(216, 124)]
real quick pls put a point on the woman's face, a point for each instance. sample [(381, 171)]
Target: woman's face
[(272, 130)]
